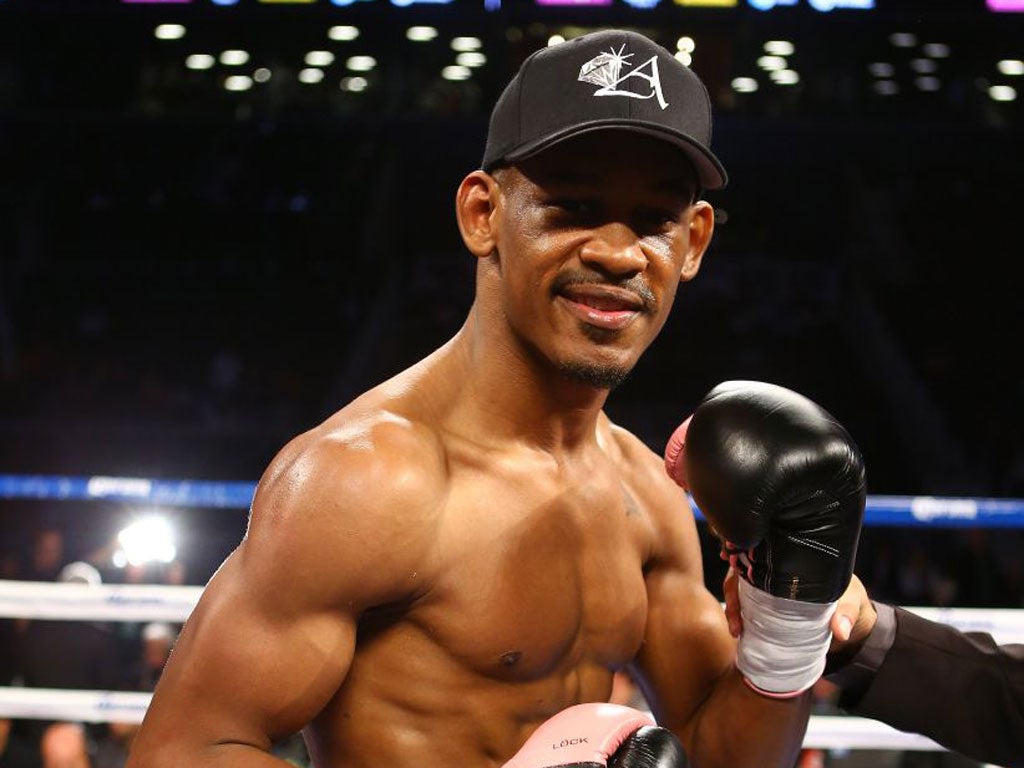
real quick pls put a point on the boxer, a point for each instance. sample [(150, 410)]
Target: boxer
[(472, 547)]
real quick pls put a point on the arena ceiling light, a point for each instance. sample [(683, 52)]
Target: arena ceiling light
[(169, 32), (466, 44), (1011, 67), (555, 40), (319, 59), (881, 69), (355, 84), (1002, 93), (924, 66), (744, 84), (772, 63), (238, 83), (149, 539), (343, 32), (261, 75), (936, 50), (234, 57), (200, 61), (686, 44), (420, 34), (928, 84), (361, 63), (455, 72), (885, 87), (311, 75), (471, 59), (903, 39), (684, 57), (785, 77), (779, 48)]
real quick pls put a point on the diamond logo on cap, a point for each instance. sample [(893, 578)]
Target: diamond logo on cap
[(605, 70)]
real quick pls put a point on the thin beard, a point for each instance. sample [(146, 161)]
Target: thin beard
[(593, 375)]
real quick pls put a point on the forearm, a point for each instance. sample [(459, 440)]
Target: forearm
[(736, 728)]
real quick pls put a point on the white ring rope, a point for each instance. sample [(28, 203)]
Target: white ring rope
[(149, 602), (106, 602)]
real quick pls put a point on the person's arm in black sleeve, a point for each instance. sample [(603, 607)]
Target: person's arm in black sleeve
[(960, 689)]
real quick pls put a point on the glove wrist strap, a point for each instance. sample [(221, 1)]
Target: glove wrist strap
[(782, 649)]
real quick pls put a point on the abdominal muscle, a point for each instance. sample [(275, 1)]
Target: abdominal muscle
[(408, 704)]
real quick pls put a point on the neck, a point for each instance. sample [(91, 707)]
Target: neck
[(508, 394)]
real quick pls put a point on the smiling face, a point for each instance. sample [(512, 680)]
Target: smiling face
[(589, 242)]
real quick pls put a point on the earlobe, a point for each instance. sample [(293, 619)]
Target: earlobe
[(476, 203), (701, 226)]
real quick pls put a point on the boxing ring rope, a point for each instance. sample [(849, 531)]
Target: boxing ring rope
[(143, 602)]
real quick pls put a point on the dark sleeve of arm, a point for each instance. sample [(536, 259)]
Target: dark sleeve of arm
[(960, 689)]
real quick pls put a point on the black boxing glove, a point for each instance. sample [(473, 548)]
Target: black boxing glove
[(781, 482), (600, 736)]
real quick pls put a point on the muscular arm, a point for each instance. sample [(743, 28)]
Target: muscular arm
[(273, 636), (686, 662)]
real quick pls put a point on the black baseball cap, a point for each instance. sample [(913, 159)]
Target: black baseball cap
[(609, 79)]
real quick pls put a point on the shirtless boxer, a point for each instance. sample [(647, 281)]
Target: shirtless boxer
[(471, 548)]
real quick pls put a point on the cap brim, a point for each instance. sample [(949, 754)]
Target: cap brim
[(710, 172)]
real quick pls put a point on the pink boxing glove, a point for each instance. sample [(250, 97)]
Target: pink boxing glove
[(599, 736)]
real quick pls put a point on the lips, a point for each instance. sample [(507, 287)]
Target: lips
[(602, 306), (604, 298)]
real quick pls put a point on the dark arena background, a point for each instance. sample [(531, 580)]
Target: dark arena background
[(222, 220)]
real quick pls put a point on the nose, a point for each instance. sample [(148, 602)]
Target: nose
[(614, 248)]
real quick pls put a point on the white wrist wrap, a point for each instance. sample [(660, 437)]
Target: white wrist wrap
[(784, 642)]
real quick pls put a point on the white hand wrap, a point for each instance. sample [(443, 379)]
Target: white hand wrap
[(784, 642)]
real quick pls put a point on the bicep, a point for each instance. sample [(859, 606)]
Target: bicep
[(687, 646), (251, 665)]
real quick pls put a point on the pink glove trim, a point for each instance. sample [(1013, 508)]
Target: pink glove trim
[(585, 733), (674, 464)]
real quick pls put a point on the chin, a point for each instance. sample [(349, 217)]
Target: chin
[(594, 374)]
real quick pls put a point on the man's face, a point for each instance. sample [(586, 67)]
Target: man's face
[(595, 236)]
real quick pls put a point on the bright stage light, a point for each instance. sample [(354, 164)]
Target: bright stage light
[(1011, 67), (420, 34), (471, 59), (147, 540), (466, 44), (234, 58), (200, 61), (319, 59), (169, 32), (361, 63), (779, 48), (343, 33), (744, 85)]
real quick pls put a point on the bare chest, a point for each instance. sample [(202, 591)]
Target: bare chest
[(539, 575)]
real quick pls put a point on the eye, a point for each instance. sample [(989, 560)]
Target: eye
[(574, 206), (657, 219)]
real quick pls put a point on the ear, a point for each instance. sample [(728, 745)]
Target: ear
[(476, 205), (701, 222)]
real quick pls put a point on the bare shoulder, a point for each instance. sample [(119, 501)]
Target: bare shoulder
[(357, 498), (666, 504), (646, 470)]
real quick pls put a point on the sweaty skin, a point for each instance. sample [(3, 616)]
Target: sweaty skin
[(472, 546)]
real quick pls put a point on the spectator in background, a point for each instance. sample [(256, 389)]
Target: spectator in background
[(157, 639), (47, 555), (61, 654)]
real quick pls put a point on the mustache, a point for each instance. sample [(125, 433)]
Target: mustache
[(635, 284)]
